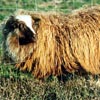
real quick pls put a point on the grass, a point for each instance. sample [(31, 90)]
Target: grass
[(17, 85)]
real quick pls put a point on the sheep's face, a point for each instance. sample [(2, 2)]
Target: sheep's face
[(21, 28)]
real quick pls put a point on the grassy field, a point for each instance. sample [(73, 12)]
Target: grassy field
[(16, 85)]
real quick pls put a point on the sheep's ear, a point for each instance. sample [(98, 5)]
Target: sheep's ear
[(36, 21), (12, 22), (12, 17), (10, 25)]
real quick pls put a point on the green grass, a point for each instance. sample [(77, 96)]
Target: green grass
[(7, 7), (17, 85)]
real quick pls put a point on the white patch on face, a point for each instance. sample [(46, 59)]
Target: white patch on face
[(27, 20)]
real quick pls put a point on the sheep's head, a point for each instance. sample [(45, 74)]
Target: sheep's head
[(20, 34), (21, 27)]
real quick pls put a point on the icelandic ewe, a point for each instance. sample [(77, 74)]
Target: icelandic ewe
[(49, 44)]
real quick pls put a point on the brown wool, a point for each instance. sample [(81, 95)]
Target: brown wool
[(71, 41)]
